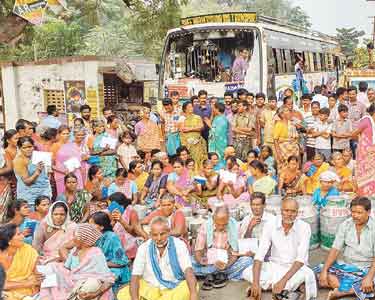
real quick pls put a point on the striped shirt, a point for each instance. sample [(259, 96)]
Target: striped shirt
[(220, 240), (311, 122)]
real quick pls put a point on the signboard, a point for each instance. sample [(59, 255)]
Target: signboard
[(75, 96), (31, 10), (236, 17)]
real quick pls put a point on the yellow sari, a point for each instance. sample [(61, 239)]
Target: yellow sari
[(21, 269), (346, 180), (287, 137), (194, 141), (312, 183)]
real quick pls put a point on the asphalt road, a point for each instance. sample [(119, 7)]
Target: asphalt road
[(237, 290)]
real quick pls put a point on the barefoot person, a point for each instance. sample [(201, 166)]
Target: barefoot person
[(162, 268), (287, 268), (355, 240)]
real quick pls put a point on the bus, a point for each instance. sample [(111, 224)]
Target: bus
[(202, 52)]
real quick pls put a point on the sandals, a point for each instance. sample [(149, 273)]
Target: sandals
[(208, 283), (220, 281)]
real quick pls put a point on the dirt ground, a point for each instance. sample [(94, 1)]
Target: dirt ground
[(237, 290)]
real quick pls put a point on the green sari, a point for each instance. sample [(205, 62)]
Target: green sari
[(218, 139)]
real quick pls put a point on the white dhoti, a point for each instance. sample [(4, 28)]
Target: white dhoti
[(272, 272)]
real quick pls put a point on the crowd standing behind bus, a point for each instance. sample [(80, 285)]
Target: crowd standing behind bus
[(95, 211)]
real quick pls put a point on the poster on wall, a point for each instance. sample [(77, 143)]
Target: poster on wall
[(31, 10), (75, 95), (57, 6)]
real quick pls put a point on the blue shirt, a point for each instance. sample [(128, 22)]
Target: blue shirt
[(320, 201), (50, 122), (203, 112), (225, 59)]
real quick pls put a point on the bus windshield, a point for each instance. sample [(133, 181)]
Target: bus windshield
[(211, 55)]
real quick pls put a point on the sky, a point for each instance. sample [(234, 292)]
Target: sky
[(327, 15)]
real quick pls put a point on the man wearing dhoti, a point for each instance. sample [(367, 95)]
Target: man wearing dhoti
[(162, 268), (355, 240), (287, 269)]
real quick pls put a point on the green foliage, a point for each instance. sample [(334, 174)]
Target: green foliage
[(298, 17), (349, 40), (361, 58)]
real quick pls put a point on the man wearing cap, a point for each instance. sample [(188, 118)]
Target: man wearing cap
[(162, 268), (287, 269), (169, 119), (327, 188)]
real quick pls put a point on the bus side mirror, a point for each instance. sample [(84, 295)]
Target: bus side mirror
[(157, 68)]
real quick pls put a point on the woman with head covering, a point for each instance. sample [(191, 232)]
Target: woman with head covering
[(19, 261), (84, 273), (55, 229), (113, 251), (327, 188)]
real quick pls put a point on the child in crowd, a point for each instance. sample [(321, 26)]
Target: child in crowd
[(126, 151), (322, 132), (341, 129), (327, 188)]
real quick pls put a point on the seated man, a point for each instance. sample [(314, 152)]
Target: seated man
[(355, 239), (162, 268), (253, 224), (215, 251), (287, 268), (176, 218)]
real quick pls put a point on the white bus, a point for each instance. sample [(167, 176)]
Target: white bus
[(201, 52)]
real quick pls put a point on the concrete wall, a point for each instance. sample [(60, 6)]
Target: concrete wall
[(24, 86)]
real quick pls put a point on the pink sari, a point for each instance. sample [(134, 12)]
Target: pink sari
[(365, 167), (93, 265), (67, 151), (182, 183), (128, 241)]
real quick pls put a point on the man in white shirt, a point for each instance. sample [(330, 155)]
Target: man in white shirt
[(253, 224), (323, 100), (162, 268), (287, 268)]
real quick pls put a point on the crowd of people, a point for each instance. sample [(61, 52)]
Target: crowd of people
[(97, 211)]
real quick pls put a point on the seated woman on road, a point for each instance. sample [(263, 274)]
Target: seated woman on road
[(216, 162), (232, 185), (42, 204), (291, 179), (262, 182), (267, 158), (208, 188), (84, 269), (179, 184), (54, 231), (113, 251), (319, 166), (327, 188), (19, 261), (123, 185), (344, 173)]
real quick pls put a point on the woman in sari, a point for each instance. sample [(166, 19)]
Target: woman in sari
[(147, 132), (208, 187), (19, 261), (155, 186), (285, 137), (32, 180), (124, 185), (365, 170), (179, 184), (137, 173), (191, 128), (79, 144), (84, 273), (232, 186), (77, 200), (262, 182), (127, 225), (346, 183), (8, 181), (313, 172), (46, 140), (55, 230), (114, 127), (18, 213), (291, 179), (112, 248), (218, 137), (63, 151), (105, 157), (267, 158), (42, 204)]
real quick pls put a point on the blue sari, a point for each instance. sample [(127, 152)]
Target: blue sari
[(113, 251), (218, 138)]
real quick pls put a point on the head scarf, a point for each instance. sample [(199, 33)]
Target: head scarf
[(329, 176), (49, 219), (87, 234)]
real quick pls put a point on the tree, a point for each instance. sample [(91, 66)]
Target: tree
[(299, 18), (361, 57), (349, 40)]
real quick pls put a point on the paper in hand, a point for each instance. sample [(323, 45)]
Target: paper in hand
[(214, 255), (108, 141), (246, 245), (41, 156), (72, 164)]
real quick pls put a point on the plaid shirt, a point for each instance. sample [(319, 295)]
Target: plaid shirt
[(170, 121), (220, 240)]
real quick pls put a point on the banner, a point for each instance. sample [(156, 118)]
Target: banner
[(235, 17), (57, 6), (31, 10)]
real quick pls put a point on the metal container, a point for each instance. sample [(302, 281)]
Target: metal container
[(273, 205), (187, 211), (194, 225)]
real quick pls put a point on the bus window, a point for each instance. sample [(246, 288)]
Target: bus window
[(276, 54), (323, 61), (330, 62), (284, 62), (293, 60), (315, 62), (210, 55)]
